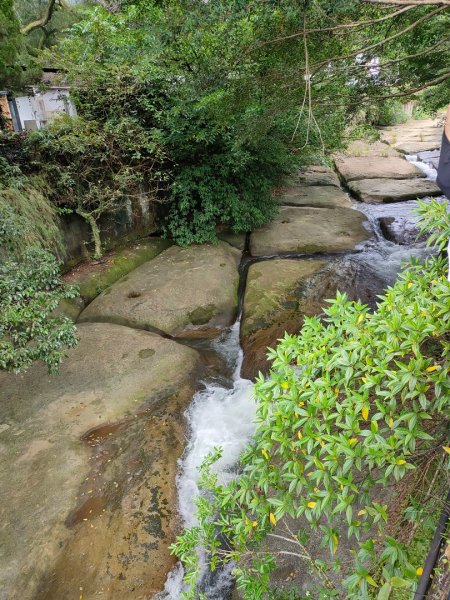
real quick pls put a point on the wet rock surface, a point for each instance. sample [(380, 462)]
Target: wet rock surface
[(310, 230), (376, 191), (88, 467), (280, 293), (183, 292)]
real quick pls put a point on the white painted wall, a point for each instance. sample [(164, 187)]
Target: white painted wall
[(43, 107)]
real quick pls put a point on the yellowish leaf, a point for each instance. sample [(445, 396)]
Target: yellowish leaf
[(272, 519), (446, 449), (299, 434), (362, 512), (285, 385), (264, 453), (365, 413), (433, 368), (410, 285), (371, 581), (419, 571), (401, 462), (335, 544), (391, 422), (311, 504), (352, 441), (360, 319)]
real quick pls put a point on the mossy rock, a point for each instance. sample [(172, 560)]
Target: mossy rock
[(184, 292), (95, 277)]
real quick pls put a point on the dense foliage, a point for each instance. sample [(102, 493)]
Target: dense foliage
[(203, 106), (353, 404), (30, 286)]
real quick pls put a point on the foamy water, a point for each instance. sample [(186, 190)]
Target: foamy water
[(217, 416)]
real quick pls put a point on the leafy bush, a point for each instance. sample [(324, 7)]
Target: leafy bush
[(352, 405), (389, 112), (91, 168), (30, 290), (30, 287)]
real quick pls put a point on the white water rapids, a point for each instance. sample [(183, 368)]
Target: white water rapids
[(218, 416)]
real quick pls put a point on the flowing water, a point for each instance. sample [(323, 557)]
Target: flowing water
[(219, 415), (222, 413)]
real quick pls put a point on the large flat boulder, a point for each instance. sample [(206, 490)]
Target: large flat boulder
[(318, 196), (183, 292), (360, 167), (413, 147), (280, 293), (315, 175), (376, 191), (88, 467), (310, 230)]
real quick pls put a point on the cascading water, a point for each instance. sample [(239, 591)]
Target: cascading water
[(223, 414), (218, 416)]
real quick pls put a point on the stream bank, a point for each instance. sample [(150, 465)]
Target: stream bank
[(89, 457)]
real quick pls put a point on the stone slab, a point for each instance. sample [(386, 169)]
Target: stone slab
[(360, 167), (310, 230), (183, 292), (376, 191), (315, 175), (318, 196)]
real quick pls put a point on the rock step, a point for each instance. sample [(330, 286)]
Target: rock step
[(310, 230), (359, 168), (376, 191), (315, 196), (314, 175)]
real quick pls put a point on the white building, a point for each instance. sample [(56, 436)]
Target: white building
[(37, 108)]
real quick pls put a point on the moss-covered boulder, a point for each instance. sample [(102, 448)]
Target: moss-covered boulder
[(310, 230), (88, 467), (94, 277), (183, 292)]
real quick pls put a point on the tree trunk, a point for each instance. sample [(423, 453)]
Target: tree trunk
[(94, 229)]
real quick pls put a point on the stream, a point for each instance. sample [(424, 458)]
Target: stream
[(221, 414)]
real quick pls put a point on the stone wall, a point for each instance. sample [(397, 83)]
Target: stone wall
[(137, 219)]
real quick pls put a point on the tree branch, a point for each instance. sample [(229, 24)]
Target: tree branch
[(410, 3), (352, 25), (42, 22), (382, 42)]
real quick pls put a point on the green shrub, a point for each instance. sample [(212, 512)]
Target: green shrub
[(352, 404)]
